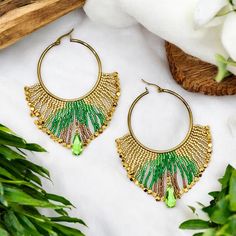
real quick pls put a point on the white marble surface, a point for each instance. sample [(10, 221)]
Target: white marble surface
[(96, 182)]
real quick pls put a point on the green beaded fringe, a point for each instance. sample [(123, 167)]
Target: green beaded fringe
[(77, 111), (169, 162), (167, 166)]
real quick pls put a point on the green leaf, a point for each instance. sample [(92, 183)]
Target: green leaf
[(12, 224), (222, 68), (11, 140), (9, 154), (34, 147), (32, 177), (67, 230), (220, 212), (21, 194), (68, 219), (15, 141), (57, 198), (195, 224), (6, 129), (232, 191), (46, 227), (198, 234), (21, 182), (214, 194), (35, 168), (193, 209), (200, 204), (28, 225), (3, 232), (2, 198), (1, 189), (61, 212), (210, 232), (16, 195), (5, 173), (225, 230), (232, 225), (226, 178)]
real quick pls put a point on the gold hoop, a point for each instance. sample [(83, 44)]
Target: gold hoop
[(56, 43), (160, 90)]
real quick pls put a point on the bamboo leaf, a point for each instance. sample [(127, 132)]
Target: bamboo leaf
[(58, 199), (13, 225), (11, 140), (5, 173), (67, 230), (6, 129), (21, 182), (16, 195), (35, 168), (21, 193), (46, 227), (34, 147), (28, 225), (68, 219), (15, 141), (9, 153)]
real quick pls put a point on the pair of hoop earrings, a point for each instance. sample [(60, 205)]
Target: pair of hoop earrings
[(165, 174)]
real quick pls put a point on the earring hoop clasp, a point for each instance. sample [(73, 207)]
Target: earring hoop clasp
[(159, 89), (58, 41)]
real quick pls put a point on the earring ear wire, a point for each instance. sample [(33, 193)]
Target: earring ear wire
[(159, 89), (58, 41)]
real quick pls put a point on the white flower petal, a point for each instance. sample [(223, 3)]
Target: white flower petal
[(229, 35), (206, 10)]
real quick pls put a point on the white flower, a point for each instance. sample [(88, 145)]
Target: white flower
[(229, 35), (208, 11)]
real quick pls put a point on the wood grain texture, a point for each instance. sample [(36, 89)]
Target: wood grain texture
[(197, 76), (21, 17)]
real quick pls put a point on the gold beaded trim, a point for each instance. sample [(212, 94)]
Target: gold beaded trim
[(198, 148)]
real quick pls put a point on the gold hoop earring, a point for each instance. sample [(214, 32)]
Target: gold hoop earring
[(74, 122), (166, 174)]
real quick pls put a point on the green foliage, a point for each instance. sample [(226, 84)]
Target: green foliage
[(22, 195), (222, 65), (221, 211)]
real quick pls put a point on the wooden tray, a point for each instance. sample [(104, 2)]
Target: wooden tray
[(195, 75), (21, 17)]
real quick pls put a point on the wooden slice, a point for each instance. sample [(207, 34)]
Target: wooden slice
[(195, 75), (21, 17)]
